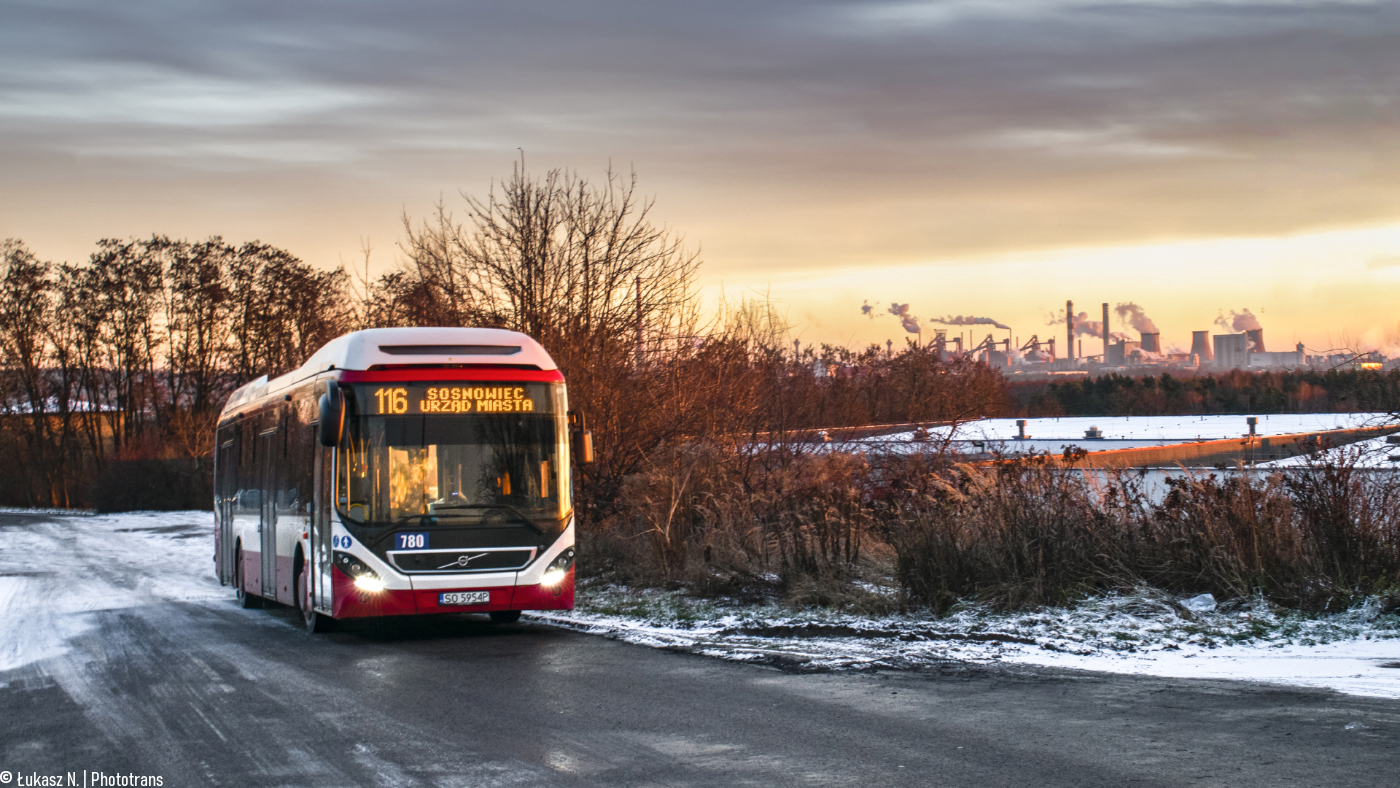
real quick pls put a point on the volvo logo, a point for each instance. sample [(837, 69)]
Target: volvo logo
[(462, 560)]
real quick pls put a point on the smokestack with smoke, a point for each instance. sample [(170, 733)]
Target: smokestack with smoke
[(1104, 329), (967, 320), (1255, 338), (1133, 315), (910, 323), (1069, 329), (1085, 327)]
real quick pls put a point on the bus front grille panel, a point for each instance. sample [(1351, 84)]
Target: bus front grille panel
[(462, 560)]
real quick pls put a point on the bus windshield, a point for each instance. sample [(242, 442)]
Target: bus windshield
[(454, 452)]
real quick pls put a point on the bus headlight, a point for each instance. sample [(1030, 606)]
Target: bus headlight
[(365, 579), (558, 568), (369, 583)]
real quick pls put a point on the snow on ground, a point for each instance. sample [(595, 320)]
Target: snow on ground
[(1357, 652), (1153, 429), (1372, 453), (1175, 428), (53, 573)]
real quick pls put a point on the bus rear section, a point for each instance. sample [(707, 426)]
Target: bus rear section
[(401, 472)]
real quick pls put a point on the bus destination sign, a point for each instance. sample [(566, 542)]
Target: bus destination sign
[(401, 400)]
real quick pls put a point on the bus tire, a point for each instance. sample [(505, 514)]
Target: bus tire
[(505, 616), (315, 622), (246, 600)]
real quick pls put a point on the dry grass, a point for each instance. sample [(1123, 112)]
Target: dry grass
[(818, 530)]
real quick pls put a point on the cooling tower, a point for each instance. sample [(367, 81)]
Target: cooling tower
[(1200, 346), (1255, 337), (1151, 343)]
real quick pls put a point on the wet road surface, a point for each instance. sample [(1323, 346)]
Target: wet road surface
[(189, 687)]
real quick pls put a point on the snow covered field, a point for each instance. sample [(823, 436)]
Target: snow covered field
[(1165, 428), (1054, 435), (53, 573), (1372, 453)]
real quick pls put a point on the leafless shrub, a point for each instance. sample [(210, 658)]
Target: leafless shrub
[(1022, 535), (1015, 535)]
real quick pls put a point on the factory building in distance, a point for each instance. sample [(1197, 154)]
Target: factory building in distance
[(1209, 352)]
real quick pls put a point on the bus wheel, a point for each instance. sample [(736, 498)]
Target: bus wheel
[(505, 616), (245, 599), (315, 622)]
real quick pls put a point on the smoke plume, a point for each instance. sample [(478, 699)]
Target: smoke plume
[(1133, 315), (967, 320), (868, 310), (901, 311), (1238, 322), (1083, 326)]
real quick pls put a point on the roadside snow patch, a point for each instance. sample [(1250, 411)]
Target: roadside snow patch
[(1142, 633)]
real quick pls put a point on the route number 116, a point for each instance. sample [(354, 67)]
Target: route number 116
[(392, 400)]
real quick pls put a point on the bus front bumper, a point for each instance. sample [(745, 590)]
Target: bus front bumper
[(352, 602)]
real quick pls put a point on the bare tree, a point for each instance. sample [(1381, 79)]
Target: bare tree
[(283, 310), (26, 302), (126, 283)]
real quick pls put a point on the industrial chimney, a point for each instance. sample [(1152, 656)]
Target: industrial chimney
[(1069, 326), (1151, 343), (1105, 333), (1255, 338), (1200, 346)]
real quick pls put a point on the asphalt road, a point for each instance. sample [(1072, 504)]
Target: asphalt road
[(204, 693)]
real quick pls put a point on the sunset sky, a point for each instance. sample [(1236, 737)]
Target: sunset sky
[(984, 157)]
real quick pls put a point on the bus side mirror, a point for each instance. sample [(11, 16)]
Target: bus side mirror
[(582, 437), (332, 424)]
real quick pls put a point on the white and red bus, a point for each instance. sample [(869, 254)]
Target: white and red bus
[(401, 471)]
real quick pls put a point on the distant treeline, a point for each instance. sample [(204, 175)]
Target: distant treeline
[(113, 370), (1335, 391)]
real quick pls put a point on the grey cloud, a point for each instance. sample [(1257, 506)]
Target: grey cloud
[(941, 128)]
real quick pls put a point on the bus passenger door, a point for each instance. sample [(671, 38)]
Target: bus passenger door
[(267, 522), (320, 558), (224, 492)]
